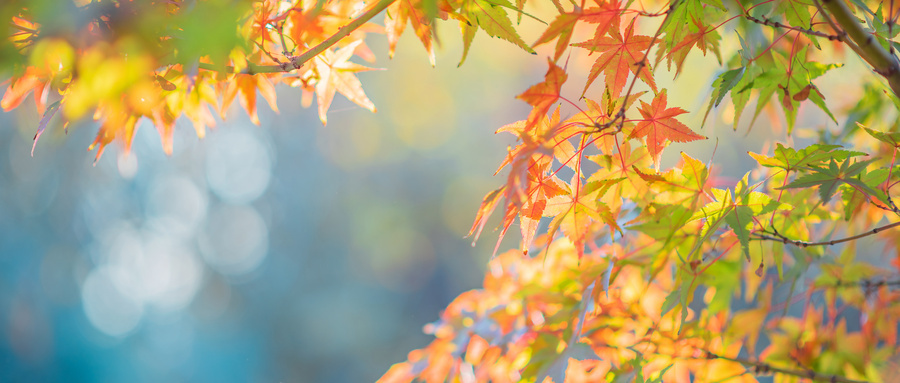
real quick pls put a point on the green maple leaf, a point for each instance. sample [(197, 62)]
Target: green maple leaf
[(492, 18), (853, 198), (786, 79), (796, 12), (791, 159), (827, 179), (688, 29), (737, 209), (890, 138)]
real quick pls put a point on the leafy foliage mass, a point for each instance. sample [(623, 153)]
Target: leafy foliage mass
[(640, 273)]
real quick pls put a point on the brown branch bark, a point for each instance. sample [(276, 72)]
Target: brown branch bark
[(778, 237), (298, 61), (759, 368), (882, 62)]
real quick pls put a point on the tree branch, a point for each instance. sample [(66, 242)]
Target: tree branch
[(297, 61), (765, 368), (870, 50), (775, 24), (778, 237)]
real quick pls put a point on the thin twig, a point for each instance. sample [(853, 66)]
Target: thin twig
[(866, 284), (759, 368), (767, 22), (774, 235)]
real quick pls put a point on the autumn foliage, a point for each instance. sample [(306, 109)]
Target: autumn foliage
[(628, 269)]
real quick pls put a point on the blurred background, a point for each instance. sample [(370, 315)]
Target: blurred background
[(286, 252)]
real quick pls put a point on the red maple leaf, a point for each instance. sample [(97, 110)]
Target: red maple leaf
[(395, 22), (542, 96), (620, 54), (606, 15), (660, 125)]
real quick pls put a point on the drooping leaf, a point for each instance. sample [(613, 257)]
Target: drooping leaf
[(542, 96), (492, 18), (561, 29), (413, 11), (48, 114), (890, 138)]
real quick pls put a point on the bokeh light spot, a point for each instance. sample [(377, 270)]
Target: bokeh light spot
[(108, 308), (175, 205), (235, 240), (238, 166)]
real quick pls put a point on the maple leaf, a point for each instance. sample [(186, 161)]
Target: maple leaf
[(244, 86), (117, 124), (791, 159), (542, 185), (395, 22), (606, 15), (737, 209), (619, 55), (561, 28), (490, 16), (336, 73), (659, 125), (890, 138), (21, 87), (574, 212), (829, 178), (542, 96), (705, 37), (484, 211)]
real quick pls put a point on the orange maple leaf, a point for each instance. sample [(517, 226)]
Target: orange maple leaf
[(542, 96), (605, 16), (660, 125), (21, 87), (395, 22), (244, 86), (562, 27), (620, 54), (336, 73)]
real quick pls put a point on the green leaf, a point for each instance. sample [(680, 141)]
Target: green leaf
[(796, 12), (673, 299), (492, 18), (738, 211), (729, 80), (664, 223), (828, 179), (791, 159), (720, 275), (468, 34), (890, 138)]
